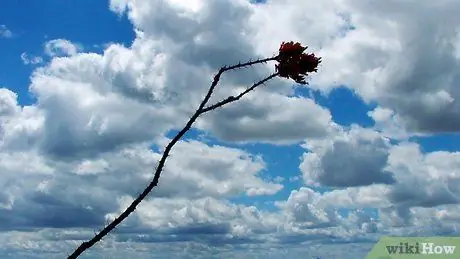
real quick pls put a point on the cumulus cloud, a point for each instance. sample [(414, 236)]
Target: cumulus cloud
[(8, 102), (61, 47), (214, 171), (80, 193), (414, 64), (303, 207), (395, 179), (423, 180), (354, 158), (74, 159), (272, 118)]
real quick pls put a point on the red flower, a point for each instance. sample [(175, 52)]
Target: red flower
[(294, 64)]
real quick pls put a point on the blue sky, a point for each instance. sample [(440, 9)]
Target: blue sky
[(87, 88), (52, 20)]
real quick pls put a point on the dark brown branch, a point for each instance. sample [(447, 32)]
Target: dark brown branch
[(249, 63), (88, 244), (233, 98)]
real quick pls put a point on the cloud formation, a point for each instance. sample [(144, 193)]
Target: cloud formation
[(61, 47), (74, 159), (5, 32)]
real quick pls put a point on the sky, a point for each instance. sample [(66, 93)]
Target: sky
[(92, 91)]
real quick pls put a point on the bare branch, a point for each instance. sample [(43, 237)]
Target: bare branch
[(250, 63), (233, 98), (200, 110)]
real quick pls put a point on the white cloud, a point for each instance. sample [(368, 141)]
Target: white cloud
[(423, 180), (413, 66), (388, 56), (390, 124), (31, 60), (354, 158), (82, 152), (8, 102), (270, 117), (303, 207), (61, 47), (5, 32)]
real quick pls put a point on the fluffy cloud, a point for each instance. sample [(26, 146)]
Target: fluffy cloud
[(398, 180), (421, 181), (383, 52), (82, 193), (5, 32), (425, 180), (354, 158), (76, 158), (8, 103), (30, 60), (414, 64), (391, 125), (269, 117), (304, 207), (61, 47)]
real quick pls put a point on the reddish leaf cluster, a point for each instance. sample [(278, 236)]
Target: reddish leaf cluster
[(294, 64)]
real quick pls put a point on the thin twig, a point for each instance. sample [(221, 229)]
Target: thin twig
[(250, 63), (233, 98), (200, 110)]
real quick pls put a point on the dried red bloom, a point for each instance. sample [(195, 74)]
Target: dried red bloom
[(294, 64), (291, 48)]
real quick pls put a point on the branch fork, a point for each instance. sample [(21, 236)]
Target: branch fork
[(292, 63)]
